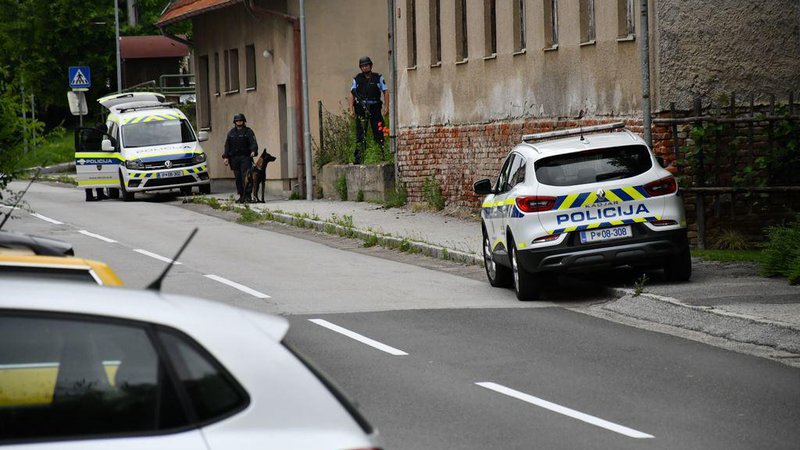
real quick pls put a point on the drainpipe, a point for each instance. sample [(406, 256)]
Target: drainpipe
[(298, 84), (306, 126), (645, 58), (393, 89)]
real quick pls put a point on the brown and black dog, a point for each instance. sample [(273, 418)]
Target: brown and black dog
[(257, 177)]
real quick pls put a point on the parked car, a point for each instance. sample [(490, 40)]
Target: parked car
[(87, 367), (581, 202), (22, 242), (65, 268)]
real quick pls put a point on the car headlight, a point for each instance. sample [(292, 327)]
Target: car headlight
[(135, 164), (199, 158)]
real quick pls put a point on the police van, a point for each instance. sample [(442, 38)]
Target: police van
[(580, 199), (148, 146)]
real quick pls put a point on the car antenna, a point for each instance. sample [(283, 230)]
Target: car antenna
[(156, 284), (35, 176)]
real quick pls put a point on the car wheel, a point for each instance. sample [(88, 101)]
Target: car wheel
[(526, 285), (126, 196), (186, 190), (205, 189), (498, 275), (113, 193), (679, 266)]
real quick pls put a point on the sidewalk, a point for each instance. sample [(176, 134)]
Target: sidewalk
[(725, 300)]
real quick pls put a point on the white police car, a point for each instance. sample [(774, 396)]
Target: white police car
[(581, 202)]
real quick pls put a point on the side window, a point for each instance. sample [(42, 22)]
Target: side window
[(517, 171), (212, 392), (66, 377), (502, 180)]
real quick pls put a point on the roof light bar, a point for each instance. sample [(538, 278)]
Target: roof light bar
[(572, 131)]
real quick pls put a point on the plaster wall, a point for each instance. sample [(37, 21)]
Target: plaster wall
[(601, 78), (714, 47)]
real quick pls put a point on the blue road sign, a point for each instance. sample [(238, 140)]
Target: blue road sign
[(80, 77)]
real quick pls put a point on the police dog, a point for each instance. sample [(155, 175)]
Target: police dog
[(257, 177)]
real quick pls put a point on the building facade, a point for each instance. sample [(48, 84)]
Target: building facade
[(247, 59), (474, 75)]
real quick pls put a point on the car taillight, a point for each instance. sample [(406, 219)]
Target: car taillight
[(548, 238), (663, 186), (535, 203)]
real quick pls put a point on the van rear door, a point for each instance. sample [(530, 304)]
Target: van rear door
[(94, 167)]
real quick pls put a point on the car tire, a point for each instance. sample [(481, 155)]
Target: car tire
[(186, 190), (498, 275), (526, 285), (679, 266), (113, 193), (205, 189), (126, 196)]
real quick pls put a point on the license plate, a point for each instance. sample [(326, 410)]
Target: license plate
[(605, 234), (174, 173)]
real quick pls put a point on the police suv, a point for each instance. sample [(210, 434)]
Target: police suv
[(149, 145), (573, 200)]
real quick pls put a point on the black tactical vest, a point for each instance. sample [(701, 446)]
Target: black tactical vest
[(368, 88)]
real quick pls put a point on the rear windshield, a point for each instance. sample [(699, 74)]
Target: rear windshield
[(594, 165), (157, 132)]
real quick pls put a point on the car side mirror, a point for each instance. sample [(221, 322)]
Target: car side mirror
[(661, 161), (107, 145), (483, 187), (202, 136)]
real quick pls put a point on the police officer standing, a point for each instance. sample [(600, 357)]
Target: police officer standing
[(240, 148), (365, 104)]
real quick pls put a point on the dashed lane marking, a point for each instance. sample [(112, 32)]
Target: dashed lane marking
[(596, 421), (97, 236), (238, 286), (47, 219), (153, 255), (363, 339)]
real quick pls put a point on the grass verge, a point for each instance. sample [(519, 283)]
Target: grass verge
[(753, 256)]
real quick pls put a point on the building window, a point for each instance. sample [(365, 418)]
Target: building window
[(411, 32), (205, 94), (232, 70), (550, 23), (462, 46), (587, 21), (490, 26), (250, 66), (519, 25), (216, 73), (626, 21), (436, 31)]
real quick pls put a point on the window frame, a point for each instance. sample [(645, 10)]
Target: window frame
[(435, 21), (550, 24), (490, 28), (626, 20), (204, 88), (411, 34), (231, 71), (519, 16), (587, 25), (462, 31), (251, 72)]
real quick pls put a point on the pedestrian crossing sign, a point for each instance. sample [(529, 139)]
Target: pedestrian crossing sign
[(80, 77)]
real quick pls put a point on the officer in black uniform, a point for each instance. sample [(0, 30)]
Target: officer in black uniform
[(366, 104), (240, 148)]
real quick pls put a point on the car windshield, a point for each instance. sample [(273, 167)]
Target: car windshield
[(592, 166), (156, 132)]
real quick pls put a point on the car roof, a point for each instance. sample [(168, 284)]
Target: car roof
[(590, 141), (191, 315), (160, 112), (36, 244), (117, 99), (102, 272)]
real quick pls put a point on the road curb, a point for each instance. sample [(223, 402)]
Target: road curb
[(706, 319)]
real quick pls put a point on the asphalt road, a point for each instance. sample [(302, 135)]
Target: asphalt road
[(437, 358)]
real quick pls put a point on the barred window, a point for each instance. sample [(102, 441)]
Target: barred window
[(550, 23), (462, 46), (490, 26), (411, 32), (587, 21), (519, 25), (436, 31), (626, 20)]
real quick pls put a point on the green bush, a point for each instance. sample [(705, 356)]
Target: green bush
[(396, 198), (782, 255), (341, 187), (339, 142), (432, 193), (360, 196)]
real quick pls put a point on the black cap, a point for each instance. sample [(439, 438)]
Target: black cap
[(239, 116), (364, 60)]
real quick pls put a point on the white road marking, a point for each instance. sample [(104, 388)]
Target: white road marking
[(9, 207), (596, 421), (153, 255), (359, 338), (47, 219), (238, 286), (97, 236)]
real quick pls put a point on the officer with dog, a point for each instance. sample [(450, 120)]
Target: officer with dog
[(240, 148), (366, 104)]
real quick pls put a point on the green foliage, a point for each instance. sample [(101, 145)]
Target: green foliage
[(360, 196), (339, 142), (404, 246), (371, 241), (247, 215), (782, 255), (13, 130), (754, 256), (396, 198), (432, 193), (341, 187), (58, 146), (731, 240), (294, 196), (639, 286)]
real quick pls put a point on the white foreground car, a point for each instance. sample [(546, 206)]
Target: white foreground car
[(84, 367), (579, 203)]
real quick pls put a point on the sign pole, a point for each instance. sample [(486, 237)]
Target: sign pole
[(80, 109)]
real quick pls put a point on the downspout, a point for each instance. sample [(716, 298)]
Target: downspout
[(298, 84), (393, 90), (645, 59)]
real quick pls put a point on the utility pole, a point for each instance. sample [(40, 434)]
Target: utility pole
[(393, 89), (306, 126), (645, 59), (116, 32)]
